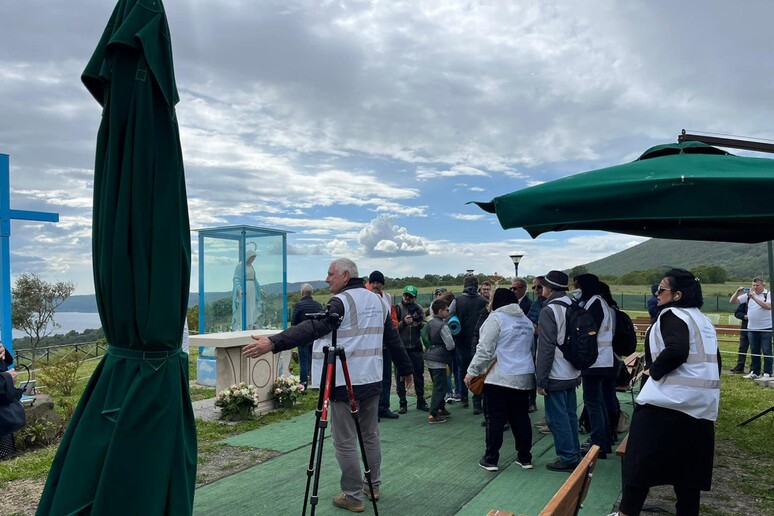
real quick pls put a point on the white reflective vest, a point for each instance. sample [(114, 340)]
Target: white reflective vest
[(360, 334), (514, 344), (605, 333), (561, 369), (694, 387)]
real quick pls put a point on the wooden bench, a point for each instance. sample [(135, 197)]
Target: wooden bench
[(569, 498), (635, 363)]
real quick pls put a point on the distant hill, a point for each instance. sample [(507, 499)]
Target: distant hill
[(88, 303), (740, 260)]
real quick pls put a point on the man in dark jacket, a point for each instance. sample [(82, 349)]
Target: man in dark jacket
[(346, 284), (306, 305), (410, 322), (744, 343), (519, 287), (556, 378), (467, 307)]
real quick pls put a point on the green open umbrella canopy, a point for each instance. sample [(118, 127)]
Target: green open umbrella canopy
[(130, 447), (685, 191)]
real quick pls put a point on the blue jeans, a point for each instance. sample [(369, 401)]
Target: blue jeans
[(304, 362), (464, 357), (562, 419), (455, 374), (595, 407), (760, 341)]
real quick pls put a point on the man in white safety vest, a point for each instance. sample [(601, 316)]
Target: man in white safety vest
[(366, 326)]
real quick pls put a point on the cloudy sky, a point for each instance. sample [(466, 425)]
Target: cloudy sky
[(364, 127)]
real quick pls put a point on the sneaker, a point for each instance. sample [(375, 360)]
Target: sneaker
[(487, 465), (423, 407), (402, 409), (388, 414), (766, 376), (445, 413), (543, 429), (561, 466), (735, 371), (367, 492), (435, 419), (524, 464), (341, 500), (449, 398), (750, 376), (456, 397)]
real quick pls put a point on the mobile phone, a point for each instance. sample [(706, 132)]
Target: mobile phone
[(746, 290)]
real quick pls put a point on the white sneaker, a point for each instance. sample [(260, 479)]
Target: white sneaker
[(766, 376), (750, 376)]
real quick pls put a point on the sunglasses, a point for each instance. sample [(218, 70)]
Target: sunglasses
[(661, 289), (539, 287)]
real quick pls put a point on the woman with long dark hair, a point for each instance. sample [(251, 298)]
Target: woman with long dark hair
[(672, 436)]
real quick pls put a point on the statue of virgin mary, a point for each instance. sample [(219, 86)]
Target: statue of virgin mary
[(252, 295)]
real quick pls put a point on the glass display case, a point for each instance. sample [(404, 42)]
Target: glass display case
[(242, 283)]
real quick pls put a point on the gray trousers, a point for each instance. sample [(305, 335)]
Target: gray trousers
[(347, 449)]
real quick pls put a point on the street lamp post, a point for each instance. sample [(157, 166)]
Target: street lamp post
[(516, 256)]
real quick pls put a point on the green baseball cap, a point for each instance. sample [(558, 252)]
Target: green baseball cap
[(411, 290)]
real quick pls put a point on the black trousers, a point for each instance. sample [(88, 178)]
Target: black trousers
[(744, 345), (439, 390), (633, 498), (418, 365), (501, 405)]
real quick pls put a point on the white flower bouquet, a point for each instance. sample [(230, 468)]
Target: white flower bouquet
[(237, 402), (287, 389)]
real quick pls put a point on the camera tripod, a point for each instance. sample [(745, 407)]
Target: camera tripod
[(770, 409), (327, 384)]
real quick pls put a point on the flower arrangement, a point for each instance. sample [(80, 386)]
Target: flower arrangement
[(237, 402), (287, 389)]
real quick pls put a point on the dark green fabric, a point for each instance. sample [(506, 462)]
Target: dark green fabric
[(688, 191), (130, 447)]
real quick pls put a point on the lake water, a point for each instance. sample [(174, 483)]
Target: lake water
[(70, 321)]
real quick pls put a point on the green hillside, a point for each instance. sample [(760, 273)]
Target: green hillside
[(740, 260)]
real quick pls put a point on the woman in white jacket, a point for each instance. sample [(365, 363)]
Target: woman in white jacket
[(506, 336)]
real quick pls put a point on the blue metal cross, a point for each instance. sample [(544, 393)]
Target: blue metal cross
[(6, 215)]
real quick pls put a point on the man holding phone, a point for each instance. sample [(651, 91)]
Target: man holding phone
[(758, 301)]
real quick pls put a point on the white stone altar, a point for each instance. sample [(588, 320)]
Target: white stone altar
[(232, 367)]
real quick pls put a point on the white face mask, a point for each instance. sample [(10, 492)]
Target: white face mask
[(576, 294)]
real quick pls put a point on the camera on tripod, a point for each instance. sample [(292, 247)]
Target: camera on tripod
[(333, 318)]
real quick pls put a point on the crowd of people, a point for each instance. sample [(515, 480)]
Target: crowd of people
[(519, 343)]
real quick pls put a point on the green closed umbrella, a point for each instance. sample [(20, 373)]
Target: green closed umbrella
[(685, 191), (130, 447)]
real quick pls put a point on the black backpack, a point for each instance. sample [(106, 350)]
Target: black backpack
[(625, 335), (580, 337)]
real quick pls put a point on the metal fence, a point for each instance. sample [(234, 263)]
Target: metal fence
[(635, 302), (47, 355)]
